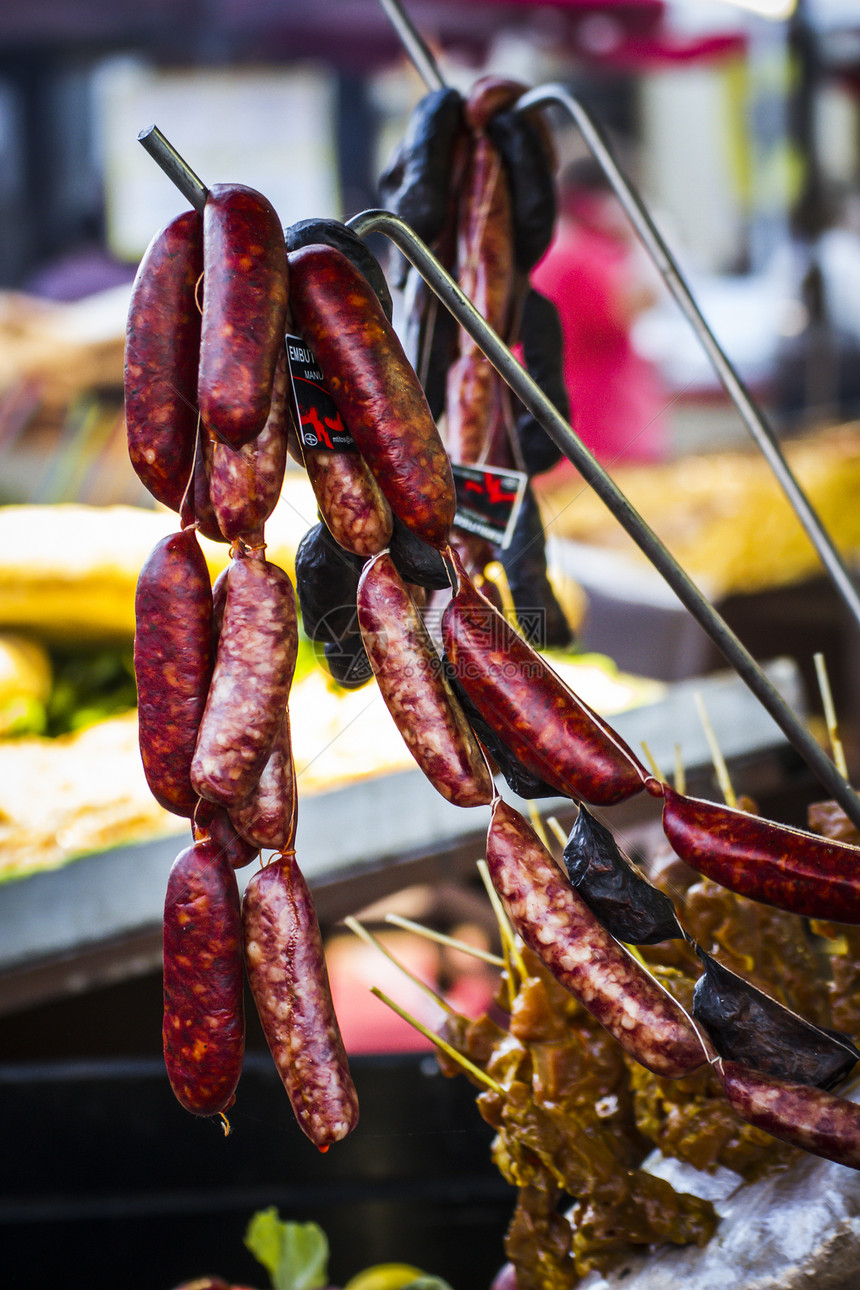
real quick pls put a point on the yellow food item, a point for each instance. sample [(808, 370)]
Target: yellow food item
[(25, 679), (723, 515), (68, 572), (384, 1276)]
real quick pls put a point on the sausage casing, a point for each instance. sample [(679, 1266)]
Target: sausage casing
[(415, 689), (560, 928), (245, 483), (287, 973), (172, 665), (161, 349), (350, 500), (254, 664), (374, 388), (245, 287), (772, 863), (810, 1118), (204, 1021), (267, 818), (551, 731)]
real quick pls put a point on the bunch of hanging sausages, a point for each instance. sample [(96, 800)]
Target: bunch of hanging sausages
[(210, 424), (476, 180)]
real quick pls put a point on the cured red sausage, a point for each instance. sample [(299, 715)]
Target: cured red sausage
[(245, 288), (267, 819), (551, 731), (254, 664), (802, 873), (172, 665), (560, 928), (289, 982), (415, 689), (204, 1020), (245, 483), (161, 348), (350, 501), (213, 823), (374, 388), (810, 1118)]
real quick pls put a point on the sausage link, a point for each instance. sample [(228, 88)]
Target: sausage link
[(267, 819), (350, 500), (245, 288), (326, 585), (162, 343), (551, 731), (173, 655), (287, 973), (560, 928), (254, 664), (415, 689), (213, 823), (245, 483), (812, 1119), (374, 388), (771, 863), (204, 1020)]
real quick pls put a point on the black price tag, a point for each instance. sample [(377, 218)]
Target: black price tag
[(488, 501), (320, 424)]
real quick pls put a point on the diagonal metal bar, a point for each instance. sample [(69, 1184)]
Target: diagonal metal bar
[(414, 44), (175, 167), (526, 389)]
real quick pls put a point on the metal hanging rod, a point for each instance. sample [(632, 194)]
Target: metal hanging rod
[(559, 96), (174, 166), (526, 389), (530, 394)]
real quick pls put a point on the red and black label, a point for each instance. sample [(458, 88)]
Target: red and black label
[(488, 501), (320, 424)]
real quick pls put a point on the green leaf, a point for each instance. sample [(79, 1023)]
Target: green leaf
[(294, 1254)]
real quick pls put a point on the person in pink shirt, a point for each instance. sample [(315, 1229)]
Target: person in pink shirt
[(593, 274)]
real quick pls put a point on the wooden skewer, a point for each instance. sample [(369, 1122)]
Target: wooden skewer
[(439, 1042), (397, 920), (513, 958), (680, 771), (557, 830), (652, 761), (830, 715), (355, 926), (537, 825), (716, 755)]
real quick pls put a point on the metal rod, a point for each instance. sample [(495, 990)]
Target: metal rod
[(414, 44), (174, 166), (454, 299), (547, 95)]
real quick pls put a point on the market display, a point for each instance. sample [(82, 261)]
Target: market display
[(215, 666)]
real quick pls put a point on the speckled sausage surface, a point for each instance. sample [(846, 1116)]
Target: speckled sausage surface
[(245, 483), (213, 823), (267, 818), (161, 348), (772, 863), (560, 928), (245, 287), (350, 501), (173, 655), (254, 664), (374, 388), (287, 973), (810, 1118), (549, 729), (204, 1021), (416, 692)]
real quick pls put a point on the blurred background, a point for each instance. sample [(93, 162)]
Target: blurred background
[(740, 126)]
